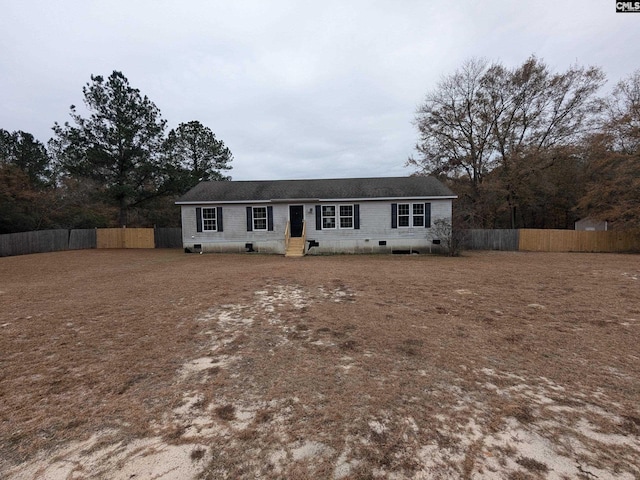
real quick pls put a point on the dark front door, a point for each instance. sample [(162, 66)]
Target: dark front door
[(296, 217)]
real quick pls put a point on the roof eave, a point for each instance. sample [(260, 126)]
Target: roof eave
[(386, 199), (317, 200)]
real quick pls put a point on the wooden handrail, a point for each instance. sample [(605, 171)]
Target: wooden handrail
[(304, 236), (287, 235)]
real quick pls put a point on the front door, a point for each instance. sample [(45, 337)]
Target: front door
[(296, 217)]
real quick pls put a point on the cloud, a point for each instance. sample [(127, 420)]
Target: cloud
[(295, 89)]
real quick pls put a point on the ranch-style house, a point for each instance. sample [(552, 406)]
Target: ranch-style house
[(300, 217)]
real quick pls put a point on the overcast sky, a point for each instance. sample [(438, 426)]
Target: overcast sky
[(296, 89)]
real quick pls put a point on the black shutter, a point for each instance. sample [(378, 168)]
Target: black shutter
[(270, 219), (249, 219), (198, 219), (394, 215), (356, 217), (427, 215), (219, 218), (318, 217)]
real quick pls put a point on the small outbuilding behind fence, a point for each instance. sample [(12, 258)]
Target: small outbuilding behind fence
[(592, 225)]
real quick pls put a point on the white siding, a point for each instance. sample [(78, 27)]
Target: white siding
[(375, 227), (235, 236)]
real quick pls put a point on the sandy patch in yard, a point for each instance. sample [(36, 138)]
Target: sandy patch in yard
[(144, 459), (340, 367)]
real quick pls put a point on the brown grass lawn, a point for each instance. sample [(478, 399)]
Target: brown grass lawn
[(158, 364)]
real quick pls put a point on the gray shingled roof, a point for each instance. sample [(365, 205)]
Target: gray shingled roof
[(319, 189)]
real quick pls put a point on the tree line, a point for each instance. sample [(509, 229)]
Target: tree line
[(522, 147), (526, 147), (112, 165)]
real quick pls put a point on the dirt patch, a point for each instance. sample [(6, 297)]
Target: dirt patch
[(158, 364)]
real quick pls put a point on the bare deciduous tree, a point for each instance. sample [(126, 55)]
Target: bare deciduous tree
[(613, 159), (487, 120)]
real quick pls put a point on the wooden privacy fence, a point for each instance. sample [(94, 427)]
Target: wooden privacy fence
[(125, 238), (33, 242), (489, 239), (538, 240), (61, 239), (80, 239), (479, 239), (168, 237), (534, 240)]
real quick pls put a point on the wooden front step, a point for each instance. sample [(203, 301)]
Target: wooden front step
[(295, 248)]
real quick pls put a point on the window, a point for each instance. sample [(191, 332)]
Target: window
[(328, 216), (418, 214), (337, 216), (410, 215), (341, 216), (209, 220), (346, 216), (259, 218), (404, 214)]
